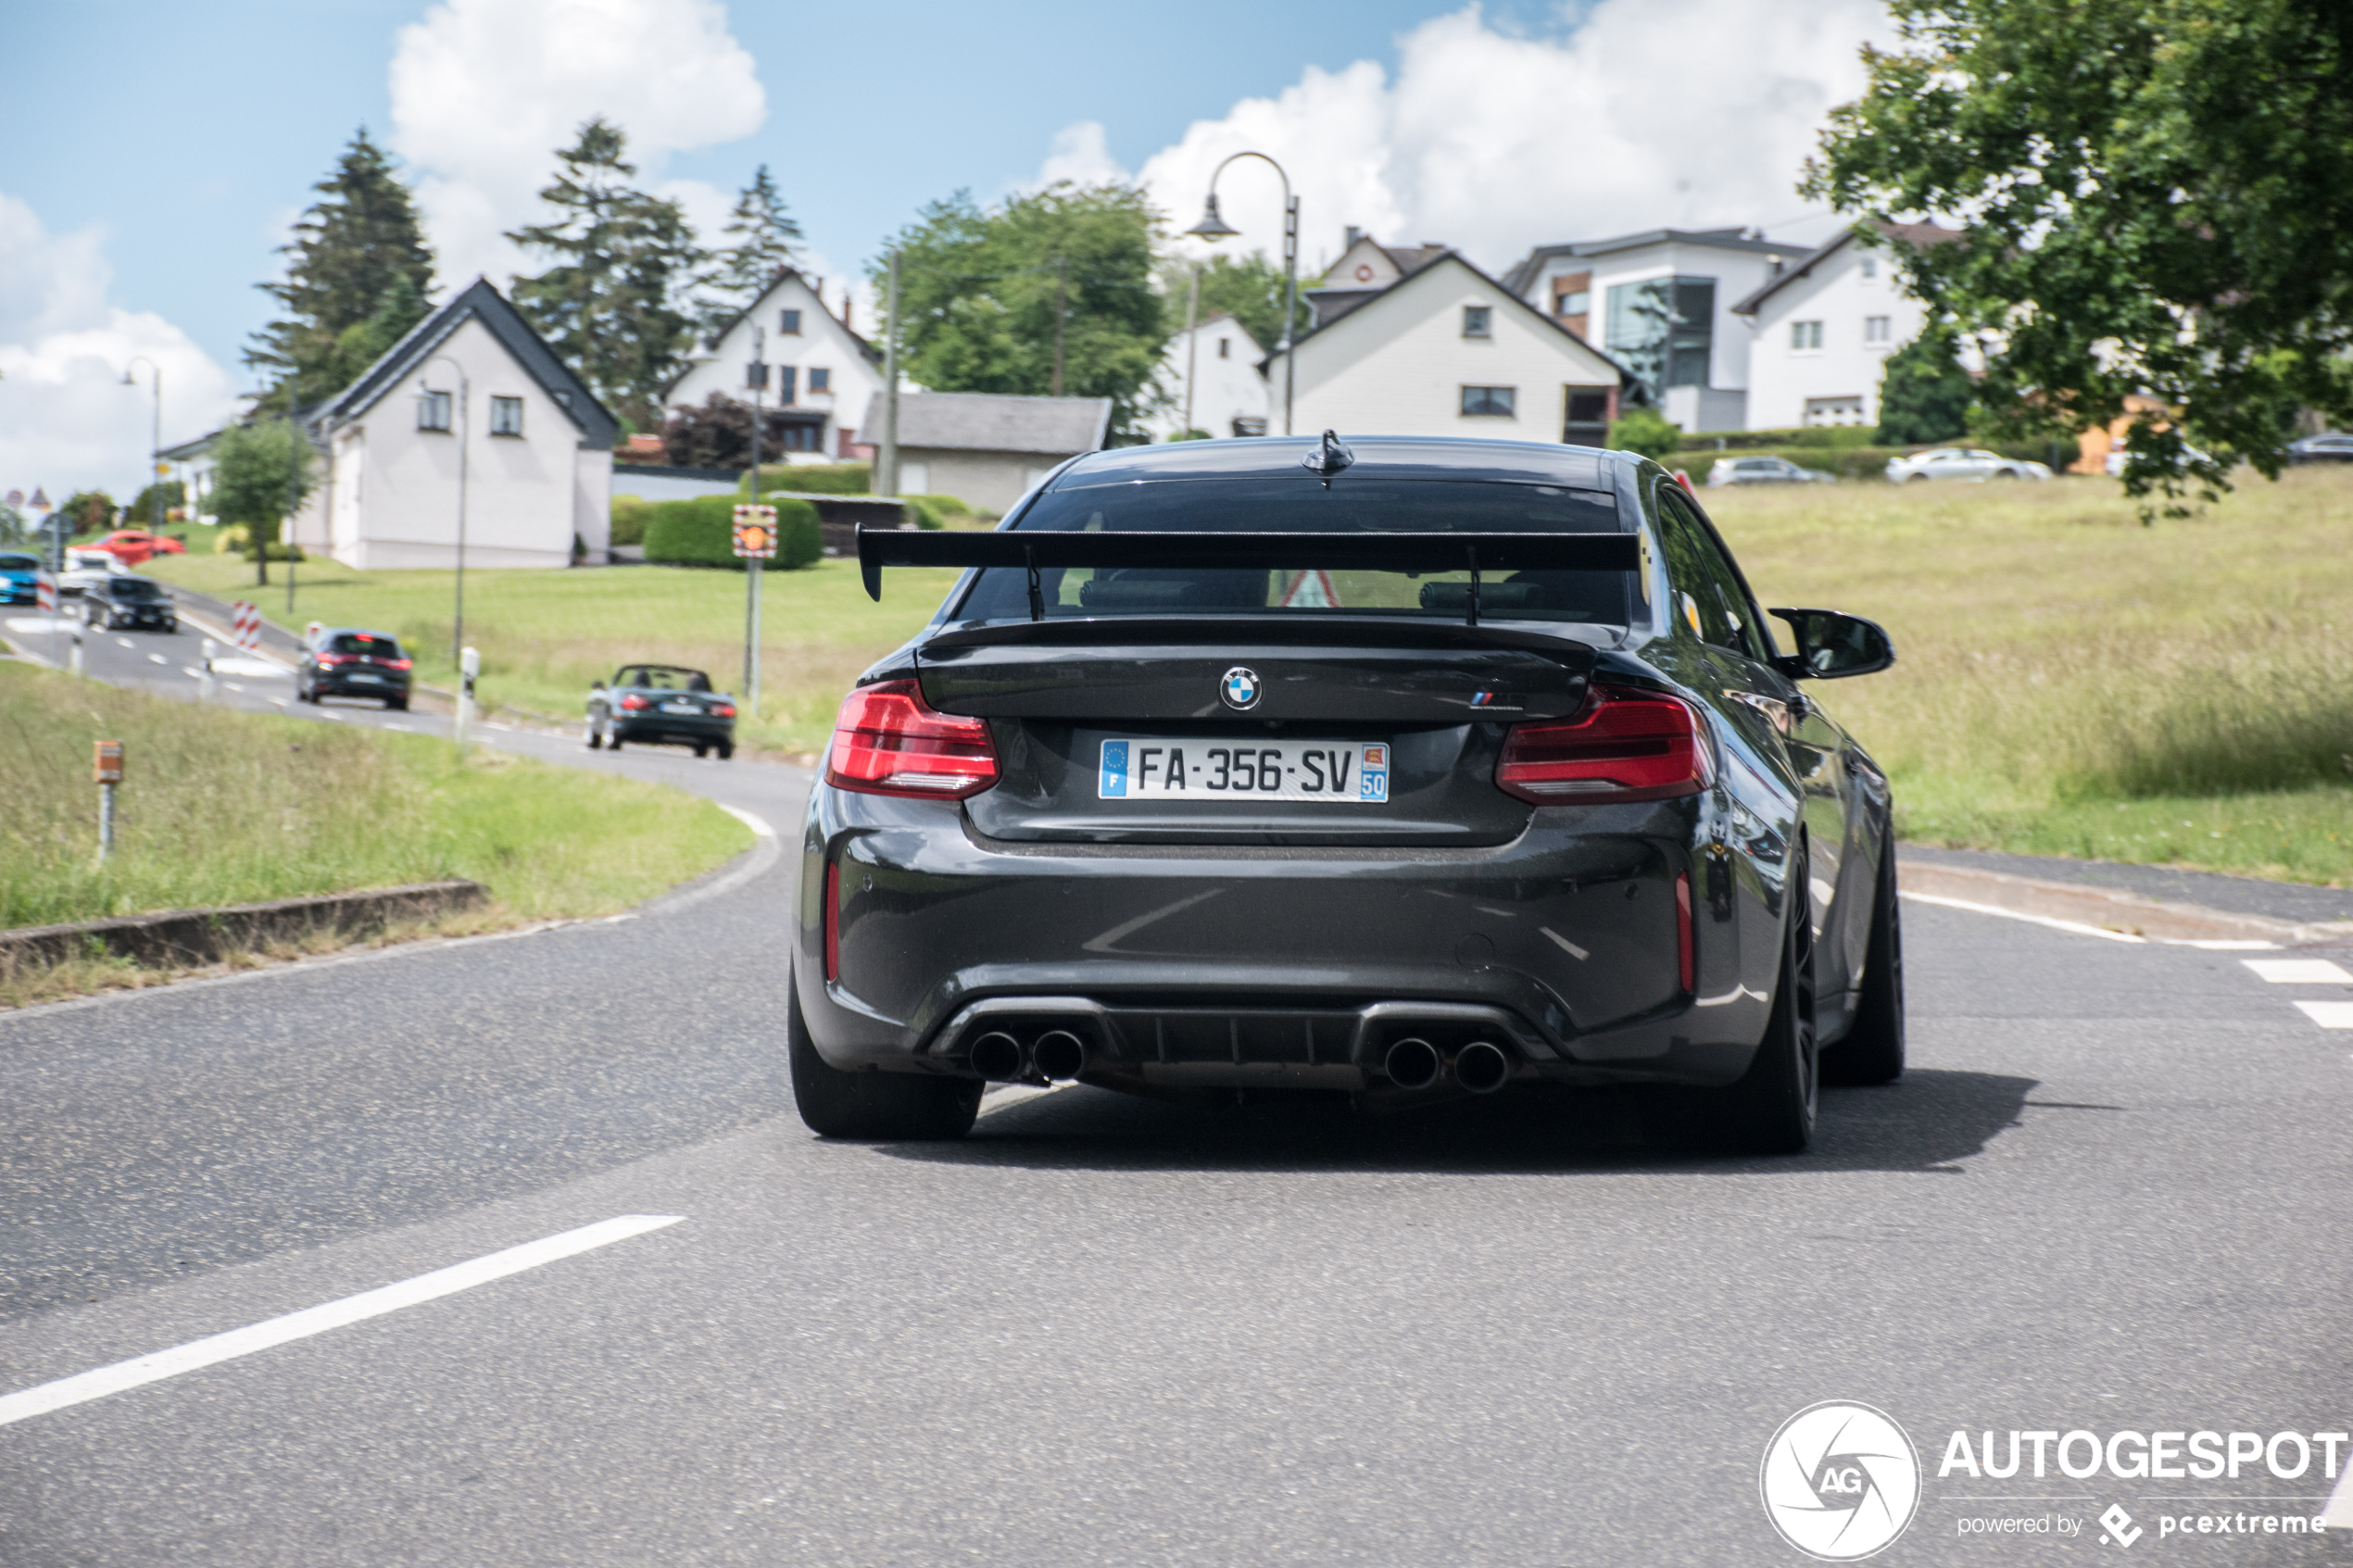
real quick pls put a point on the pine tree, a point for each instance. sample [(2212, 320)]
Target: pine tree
[(357, 246), (764, 243), (610, 304)]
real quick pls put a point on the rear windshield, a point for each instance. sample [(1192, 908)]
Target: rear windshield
[(664, 680), (1282, 503), (135, 588), (364, 643)]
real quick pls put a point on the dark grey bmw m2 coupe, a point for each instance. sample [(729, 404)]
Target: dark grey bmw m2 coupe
[(1398, 768)]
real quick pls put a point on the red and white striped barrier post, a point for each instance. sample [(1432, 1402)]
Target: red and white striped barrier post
[(246, 624)]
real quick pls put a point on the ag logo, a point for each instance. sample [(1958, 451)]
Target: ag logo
[(1840, 1481), (1239, 688)]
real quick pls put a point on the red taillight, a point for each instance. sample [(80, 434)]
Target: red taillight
[(333, 658), (833, 920), (395, 663), (725, 709), (1623, 745), (633, 702), (1683, 970), (888, 740)]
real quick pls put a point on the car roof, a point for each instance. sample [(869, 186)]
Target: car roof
[(1393, 456), (681, 669), (354, 632)]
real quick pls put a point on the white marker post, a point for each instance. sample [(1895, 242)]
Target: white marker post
[(107, 768), (73, 659), (468, 666), (204, 681), (44, 599)]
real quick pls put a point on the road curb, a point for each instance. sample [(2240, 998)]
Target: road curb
[(2156, 919), (171, 937)]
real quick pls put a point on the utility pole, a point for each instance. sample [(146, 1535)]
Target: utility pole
[(1290, 300), (886, 479), (756, 374), (1192, 346), (1061, 275)]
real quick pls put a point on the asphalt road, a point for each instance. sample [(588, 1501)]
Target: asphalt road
[(2111, 1196)]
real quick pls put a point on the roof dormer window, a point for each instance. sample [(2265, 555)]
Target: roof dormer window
[(1479, 320)]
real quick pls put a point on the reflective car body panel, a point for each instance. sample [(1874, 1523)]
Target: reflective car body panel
[(1230, 942)]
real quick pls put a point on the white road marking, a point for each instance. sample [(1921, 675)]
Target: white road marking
[(2329, 1015), (2221, 944), (2078, 928), (757, 824), (233, 686), (40, 623), (402, 728), (157, 658), (96, 1384), (281, 701), (2298, 972), (2338, 1514), (126, 642), (237, 664), (192, 671)]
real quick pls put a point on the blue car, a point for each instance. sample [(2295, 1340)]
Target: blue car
[(17, 572)]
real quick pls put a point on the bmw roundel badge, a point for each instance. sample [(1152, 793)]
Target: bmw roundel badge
[(1239, 688)]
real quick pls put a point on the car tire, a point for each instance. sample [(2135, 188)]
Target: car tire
[(884, 1106), (396, 705), (727, 751), (1873, 1050), (614, 743), (701, 752), (1916, 479), (1773, 1107), (596, 743)]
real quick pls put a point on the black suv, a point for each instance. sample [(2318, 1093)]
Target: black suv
[(345, 661), (128, 603)]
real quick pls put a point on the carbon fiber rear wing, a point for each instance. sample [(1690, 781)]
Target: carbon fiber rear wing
[(1033, 553)]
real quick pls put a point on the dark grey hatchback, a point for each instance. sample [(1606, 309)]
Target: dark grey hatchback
[(1399, 769)]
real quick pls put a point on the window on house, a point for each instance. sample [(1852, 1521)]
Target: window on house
[(1494, 401), (433, 410), (1664, 330), (1875, 329), (1479, 320), (1577, 302), (505, 416), (1225, 348), (1870, 267), (821, 378), (788, 322), (787, 375), (1804, 336)]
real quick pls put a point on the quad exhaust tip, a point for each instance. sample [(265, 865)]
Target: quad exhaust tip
[(1058, 1056), (996, 1056), (1412, 1063), (1481, 1067)]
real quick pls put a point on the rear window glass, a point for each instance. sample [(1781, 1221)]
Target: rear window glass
[(1284, 504), (135, 588), (362, 643), (664, 680)]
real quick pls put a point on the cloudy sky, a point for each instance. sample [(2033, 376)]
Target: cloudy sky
[(162, 149)]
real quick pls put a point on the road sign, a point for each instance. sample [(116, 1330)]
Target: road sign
[(44, 591), (756, 533), (248, 625), (107, 767)]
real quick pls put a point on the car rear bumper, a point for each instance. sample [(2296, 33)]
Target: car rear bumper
[(351, 685), (1281, 967), (675, 729)]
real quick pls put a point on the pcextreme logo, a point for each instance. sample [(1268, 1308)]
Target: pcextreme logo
[(1840, 1481)]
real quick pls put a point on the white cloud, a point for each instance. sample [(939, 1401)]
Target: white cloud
[(67, 422), (1081, 154), (1637, 114), (484, 90)]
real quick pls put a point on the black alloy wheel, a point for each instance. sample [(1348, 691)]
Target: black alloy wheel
[(1772, 1109), (886, 1106), (1873, 1050)]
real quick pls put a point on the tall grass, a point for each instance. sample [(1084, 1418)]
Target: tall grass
[(223, 808)]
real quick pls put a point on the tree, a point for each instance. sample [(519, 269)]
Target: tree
[(88, 511), (1250, 289), (2158, 194), (765, 242), (612, 305), (1648, 431), (156, 502), (1049, 294), (262, 472), (1924, 395), (717, 435), (357, 248)]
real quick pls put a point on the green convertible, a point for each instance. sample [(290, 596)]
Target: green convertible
[(670, 705)]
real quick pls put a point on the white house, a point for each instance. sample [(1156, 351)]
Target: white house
[(473, 414), (1214, 372), (820, 374), (987, 449), (1662, 302), (1447, 350), (1820, 332), (1365, 267)]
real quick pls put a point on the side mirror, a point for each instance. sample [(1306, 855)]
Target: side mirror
[(1830, 645)]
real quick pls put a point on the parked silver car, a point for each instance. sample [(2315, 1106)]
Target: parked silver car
[(1961, 462), (2328, 448), (1764, 470)]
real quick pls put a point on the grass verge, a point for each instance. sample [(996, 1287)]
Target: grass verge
[(222, 808)]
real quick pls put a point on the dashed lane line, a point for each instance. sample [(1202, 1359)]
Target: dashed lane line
[(2327, 1015), (2298, 972), (157, 658), (80, 1388)]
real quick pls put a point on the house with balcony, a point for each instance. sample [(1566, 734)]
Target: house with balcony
[(818, 376), (1660, 303)]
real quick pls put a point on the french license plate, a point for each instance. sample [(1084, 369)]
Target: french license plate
[(1355, 772), (680, 708), (366, 675)]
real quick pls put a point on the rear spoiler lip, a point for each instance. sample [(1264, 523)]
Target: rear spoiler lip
[(1257, 631), (879, 548)]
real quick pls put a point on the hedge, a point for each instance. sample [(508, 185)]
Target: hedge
[(811, 479), (700, 532), (629, 514)]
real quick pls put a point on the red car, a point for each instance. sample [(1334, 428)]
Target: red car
[(135, 547)]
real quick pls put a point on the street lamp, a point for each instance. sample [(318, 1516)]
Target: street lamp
[(1213, 228), (154, 449), (465, 397)]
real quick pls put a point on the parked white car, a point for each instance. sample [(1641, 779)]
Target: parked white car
[(85, 568), (2114, 464), (1764, 470), (1961, 462)]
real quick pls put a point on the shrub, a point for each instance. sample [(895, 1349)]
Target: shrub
[(1924, 395), (701, 532), (629, 515), (951, 510), (237, 541), (814, 478), (1648, 431)]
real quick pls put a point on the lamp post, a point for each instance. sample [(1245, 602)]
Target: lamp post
[(155, 445), (1212, 228), (465, 397)]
